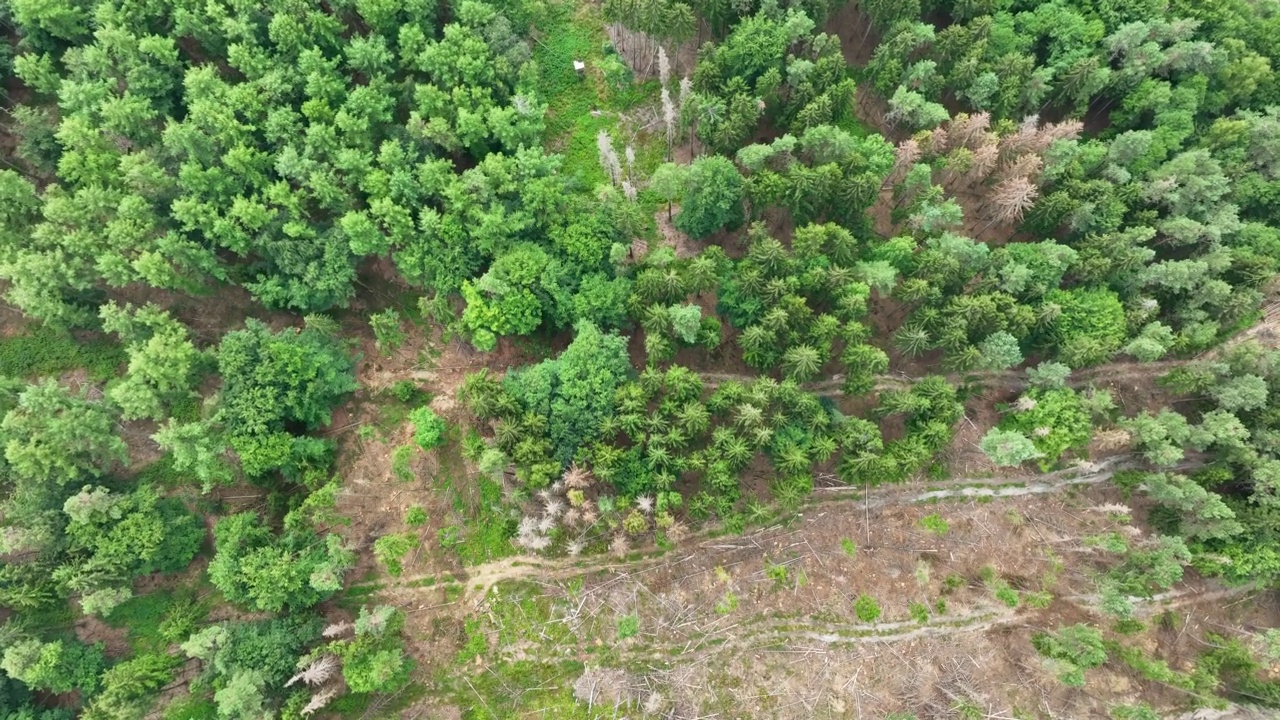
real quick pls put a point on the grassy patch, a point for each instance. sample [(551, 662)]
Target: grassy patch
[(628, 626), (452, 591), (191, 708), (727, 604), (849, 547), (577, 33), (356, 595), (855, 127), (1038, 600), (359, 705), (549, 692), (517, 612), (45, 351), (50, 616), (161, 473), (157, 619), (935, 524), (1000, 587), (480, 527), (141, 616), (486, 533), (393, 411), (1244, 323)]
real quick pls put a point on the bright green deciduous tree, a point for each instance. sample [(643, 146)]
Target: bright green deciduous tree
[(712, 197), (127, 535), (257, 569), (197, 448), (428, 428), (1000, 351), (1090, 326), (242, 697), (1076, 647), (288, 376), (162, 359), (57, 436), (1245, 392), (58, 667), (1056, 421), (102, 602), (1160, 437), (1048, 375), (574, 391), (374, 661), (391, 549), (272, 380), (1152, 343), (686, 321), (602, 300), (668, 183), (525, 287), (1008, 448), (269, 648)]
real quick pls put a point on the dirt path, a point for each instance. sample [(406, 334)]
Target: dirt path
[(1002, 487), (801, 638), (1011, 379), (1266, 332), (479, 579), (749, 637), (731, 638), (482, 578), (1145, 608), (752, 636)]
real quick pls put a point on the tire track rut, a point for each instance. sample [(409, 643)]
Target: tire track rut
[(478, 579)]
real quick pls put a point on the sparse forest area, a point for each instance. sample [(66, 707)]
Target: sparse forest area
[(487, 359)]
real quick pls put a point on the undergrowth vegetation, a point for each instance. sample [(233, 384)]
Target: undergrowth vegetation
[(687, 266)]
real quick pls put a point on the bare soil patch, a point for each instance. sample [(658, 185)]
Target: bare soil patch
[(858, 40), (685, 246), (724, 630), (90, 630)]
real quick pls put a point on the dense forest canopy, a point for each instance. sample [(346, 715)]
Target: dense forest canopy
[(692, 272)]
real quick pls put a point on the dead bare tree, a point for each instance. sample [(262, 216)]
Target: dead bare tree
[(319, 700), (985, 158), (669, 119), (638, 49), (1026, 139), (938, 138), (1065, 130), (968, 130), (1025, 166), (317, 672), (908, 152), (686, 94), (608, 157), (577, 477), (1000, 174), (1010, 199)]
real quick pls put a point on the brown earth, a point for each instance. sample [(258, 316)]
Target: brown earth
[(793, 646), (858, 40)]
